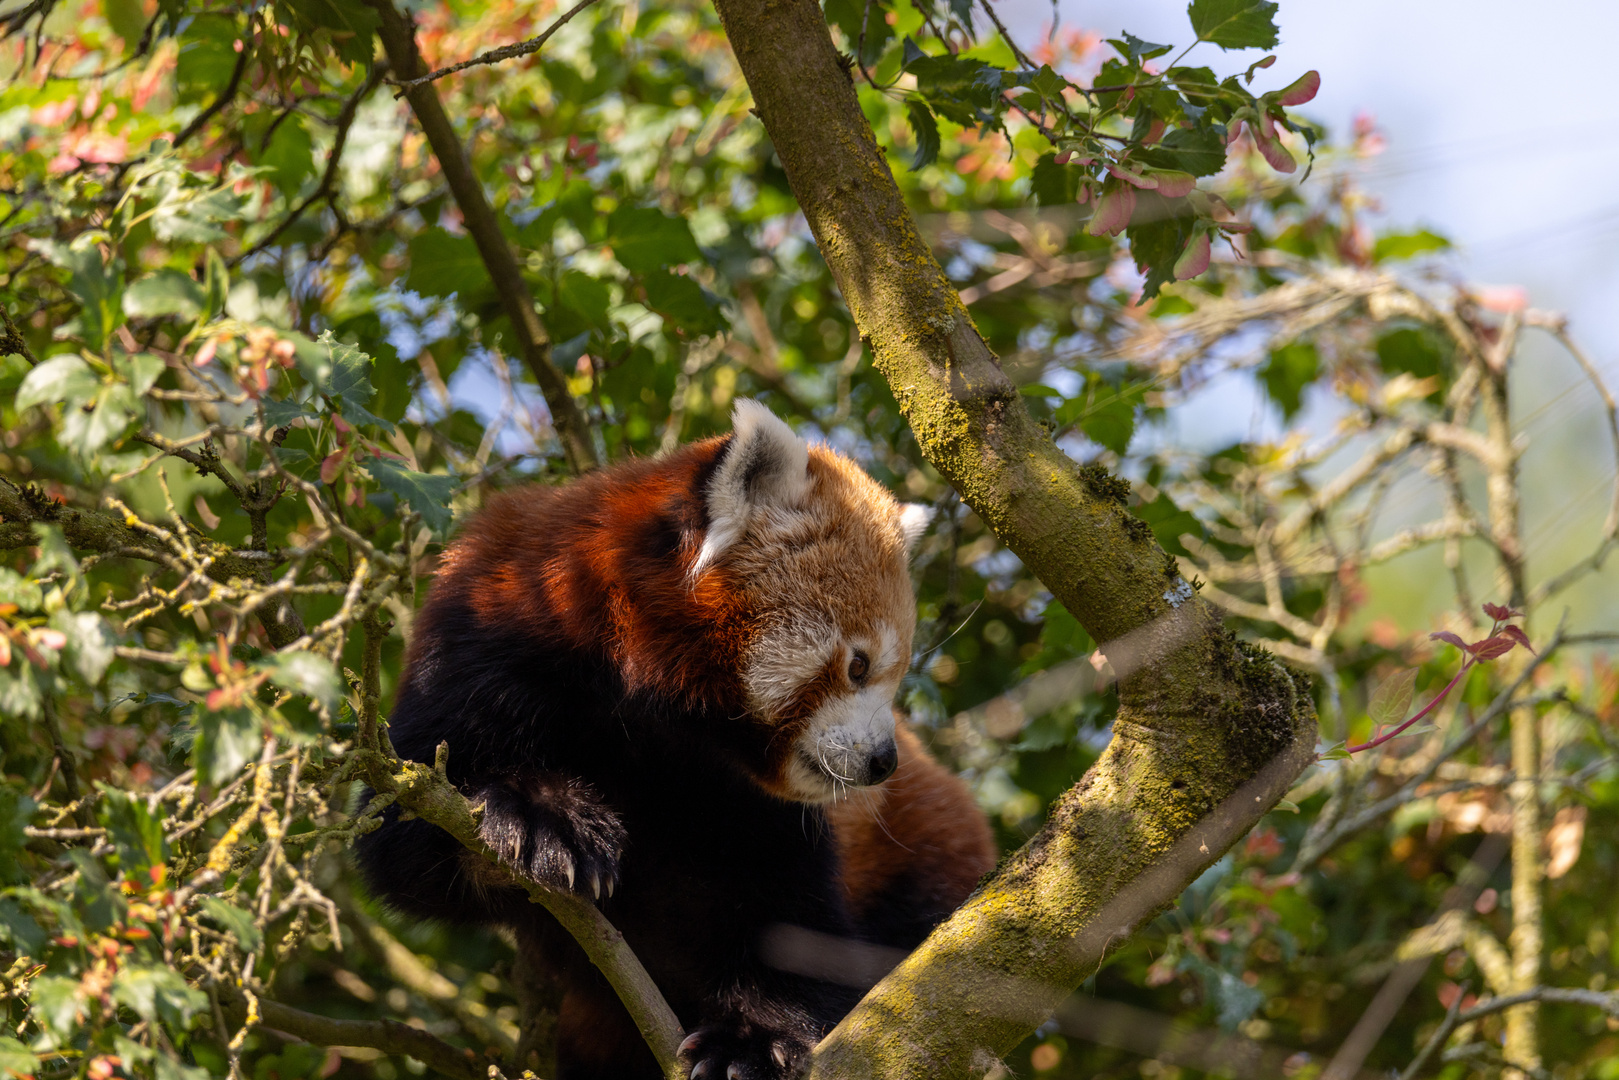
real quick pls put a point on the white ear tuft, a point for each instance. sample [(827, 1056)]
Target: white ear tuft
[(765, 465), (913, 522)]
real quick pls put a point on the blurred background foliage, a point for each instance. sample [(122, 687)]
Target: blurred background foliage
[(257, 370)]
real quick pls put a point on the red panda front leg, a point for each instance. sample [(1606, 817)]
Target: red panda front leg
[(553, 830)]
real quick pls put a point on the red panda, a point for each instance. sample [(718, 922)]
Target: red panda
[(669, 684)]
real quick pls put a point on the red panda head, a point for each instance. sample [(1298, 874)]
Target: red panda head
[(818, 552)]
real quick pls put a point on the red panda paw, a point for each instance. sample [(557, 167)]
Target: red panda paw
[(553, 831), (741, 1051)]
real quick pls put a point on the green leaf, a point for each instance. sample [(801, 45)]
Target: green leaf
[(1159, 231), (66, 379), (682, 301), (135, 830), (238, 922), (1136, 49), (96, 899), (1408, 245), (217, 284), (207, 55), (350, 23), (1053, 184), (165, 292), (427, 493), (305, 673), (926, 131), (1392, 699), (19, 691), (97, 284), (1106, 414), (1286, 804), (1410, 350), (191, 214), (343, 373), (154, 992), (1198, 151), (27, 937), (89, 643), (16, 810), (1288, 371), (1338, 751), (644, 238), (586, 297), (1235, 24), (289, 156), (56, 1001), (446, 265), (16, 589), (16, 1059), (226, 740)]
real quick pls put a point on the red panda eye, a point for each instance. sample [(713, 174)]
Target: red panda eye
[(857, 667)]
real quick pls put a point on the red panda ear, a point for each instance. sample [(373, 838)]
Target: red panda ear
[(913, 522), (766, 465)]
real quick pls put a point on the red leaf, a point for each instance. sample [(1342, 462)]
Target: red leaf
[(1113, 209), (1519, 636), (332, 466), (1195, 259), (1302, 89), (1274, 152), (1129, 177), (1491, 647), (1499, 613), (1062, 158), (1233, 131), (1172, 184), (1451, 639)]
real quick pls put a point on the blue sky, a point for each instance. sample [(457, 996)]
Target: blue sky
[(1503, 134)]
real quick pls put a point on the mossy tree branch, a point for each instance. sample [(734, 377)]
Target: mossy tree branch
[(22, 506), (1210, 733), (427, 792)]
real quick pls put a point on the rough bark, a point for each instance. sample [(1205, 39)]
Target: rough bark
[(1210, 732)]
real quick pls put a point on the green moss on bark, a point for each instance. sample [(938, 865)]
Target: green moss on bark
[(1209, 732)]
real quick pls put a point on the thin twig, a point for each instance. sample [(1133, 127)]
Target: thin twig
[(495, 56)]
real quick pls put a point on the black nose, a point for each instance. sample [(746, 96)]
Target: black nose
[(882, 763)]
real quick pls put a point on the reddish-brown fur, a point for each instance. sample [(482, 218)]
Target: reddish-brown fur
[(624, 717), (918, 831), (570, 565)]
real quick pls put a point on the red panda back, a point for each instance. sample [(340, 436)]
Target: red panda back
[(600, 564)]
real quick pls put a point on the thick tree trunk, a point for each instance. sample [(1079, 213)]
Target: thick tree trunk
[(1210, 732)]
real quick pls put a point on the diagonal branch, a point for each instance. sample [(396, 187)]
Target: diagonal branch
[(1210, 732), (199, 121), (389, 1036), (328, 180), (398, 36)]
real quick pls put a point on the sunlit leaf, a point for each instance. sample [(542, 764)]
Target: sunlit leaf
[(1391, 701), (1235, 24)]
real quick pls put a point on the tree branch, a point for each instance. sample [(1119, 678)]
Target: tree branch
[(85, 530), (224, 98), (389, 1036), (1210, 732), (426, 792), (398, 36), (345, 120)]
